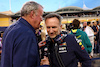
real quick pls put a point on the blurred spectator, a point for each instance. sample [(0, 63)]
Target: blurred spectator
[(69, 27), (97, 40), (81, 35), (84, 25), (98, 24), (40, 34), (81, 26), (89, 31), (63, 27), (95, 28)]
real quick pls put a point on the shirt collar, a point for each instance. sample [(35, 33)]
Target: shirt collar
[(26, 23)]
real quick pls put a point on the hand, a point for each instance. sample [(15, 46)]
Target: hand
[(42, 43), (90, 56), (45, 61)]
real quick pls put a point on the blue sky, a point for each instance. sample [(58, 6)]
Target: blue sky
[(49, 5)]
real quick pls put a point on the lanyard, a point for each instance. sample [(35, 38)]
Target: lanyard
[(58, 56)]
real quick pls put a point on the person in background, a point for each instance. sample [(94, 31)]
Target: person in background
[(20, 47), (98, 25), (90, 33), (84, 26), (95, 29), (63, 27), (43, 34), (63, 50), (39, 34), (81, 35), (97, 40)]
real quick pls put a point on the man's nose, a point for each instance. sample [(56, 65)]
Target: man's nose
[(51, 30)]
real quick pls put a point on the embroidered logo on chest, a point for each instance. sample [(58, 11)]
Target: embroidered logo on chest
[(63, 47)]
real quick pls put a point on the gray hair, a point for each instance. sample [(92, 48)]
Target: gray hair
[(51, 15), (28, 7)]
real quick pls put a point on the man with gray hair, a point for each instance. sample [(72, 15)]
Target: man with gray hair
[(20, 48)]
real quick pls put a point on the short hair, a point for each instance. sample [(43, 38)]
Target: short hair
[(88, 23), (51, 15), (76, 23), (28, 7)]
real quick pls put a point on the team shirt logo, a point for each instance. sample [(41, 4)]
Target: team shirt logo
[(63, 47)]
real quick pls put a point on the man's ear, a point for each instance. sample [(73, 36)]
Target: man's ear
[(61, 26), (32, 14)]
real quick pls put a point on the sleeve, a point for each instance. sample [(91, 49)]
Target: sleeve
[(87, 32), (87, 42), (26, 53), (81, 53)]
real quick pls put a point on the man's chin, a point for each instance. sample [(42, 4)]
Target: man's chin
[(52, 37), (36, 28)]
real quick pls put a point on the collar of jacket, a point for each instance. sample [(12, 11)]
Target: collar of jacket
[(26, 23), (74, 30)]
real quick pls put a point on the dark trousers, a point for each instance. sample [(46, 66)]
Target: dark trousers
[(96, 48)]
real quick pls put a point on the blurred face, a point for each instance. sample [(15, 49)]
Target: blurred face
[(53, 27), (95, 23), (38, 18)]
